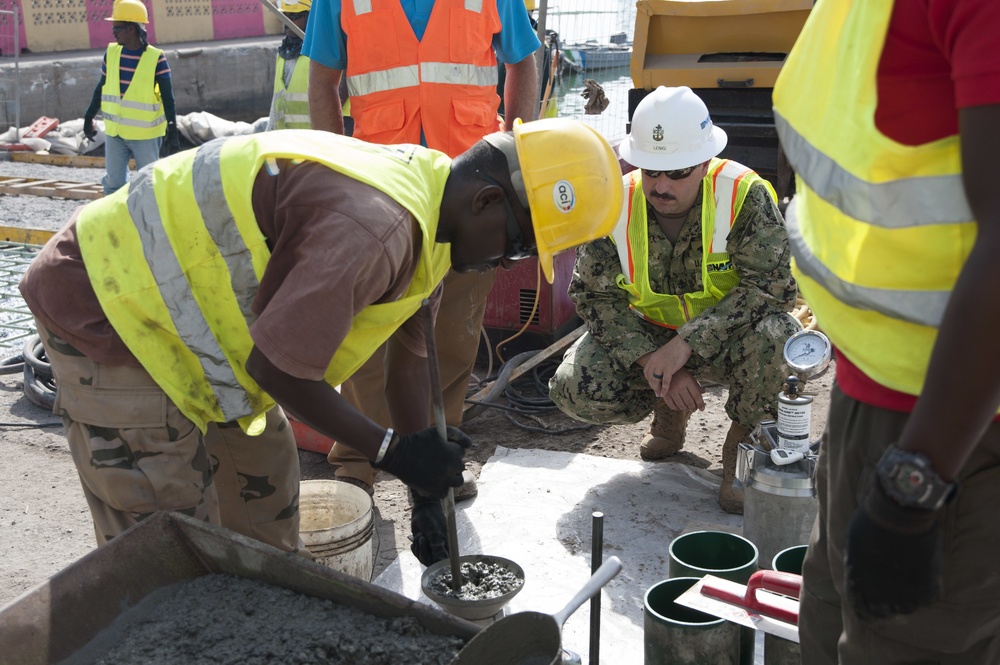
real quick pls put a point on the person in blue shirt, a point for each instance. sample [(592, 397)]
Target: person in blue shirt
[(422, 71)]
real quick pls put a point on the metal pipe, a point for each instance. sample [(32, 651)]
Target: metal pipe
[(596, 555), (437, 399), (284, 19), (17, 76), (543, 7)]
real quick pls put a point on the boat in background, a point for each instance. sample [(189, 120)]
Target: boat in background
[(592, 55)]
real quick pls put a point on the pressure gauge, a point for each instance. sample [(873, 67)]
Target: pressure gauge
[(808, 352)]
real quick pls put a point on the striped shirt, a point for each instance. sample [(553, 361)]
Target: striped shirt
[(128, 63)]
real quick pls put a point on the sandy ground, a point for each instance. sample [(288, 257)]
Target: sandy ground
[(44, 521)]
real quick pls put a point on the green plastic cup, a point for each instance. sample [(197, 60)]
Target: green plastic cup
[(677, 635), (789, 560), (722, 554)]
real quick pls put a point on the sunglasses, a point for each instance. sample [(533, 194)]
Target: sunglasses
[(516, 247), (295, 16), (677, 174), (118, 28)]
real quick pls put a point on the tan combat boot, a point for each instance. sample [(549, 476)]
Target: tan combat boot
[(666, 433), (730, 498)]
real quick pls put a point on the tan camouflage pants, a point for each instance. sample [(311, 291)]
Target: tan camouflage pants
[(137, 454), (592, 386)]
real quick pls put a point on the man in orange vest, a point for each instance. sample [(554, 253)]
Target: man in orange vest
[(136, 117), (422, 72)]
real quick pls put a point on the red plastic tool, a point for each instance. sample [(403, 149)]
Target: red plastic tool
[(787, 584)]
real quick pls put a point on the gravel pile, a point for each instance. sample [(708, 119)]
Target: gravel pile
[(224, 619), (41, 212)]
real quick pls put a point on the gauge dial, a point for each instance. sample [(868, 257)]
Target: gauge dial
[(808, 351)]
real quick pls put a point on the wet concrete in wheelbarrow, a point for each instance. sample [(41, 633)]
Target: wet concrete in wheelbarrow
[(222, 619)]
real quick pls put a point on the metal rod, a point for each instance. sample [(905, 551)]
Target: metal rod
[(284, 19), (17, 77), (543, 7), (437, 399), (596, 555)]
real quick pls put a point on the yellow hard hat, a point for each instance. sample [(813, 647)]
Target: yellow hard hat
[(131, 11), (530, 5), (568, 177), (294, 6)]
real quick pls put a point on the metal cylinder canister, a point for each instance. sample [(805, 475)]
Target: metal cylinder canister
[(779, 503)]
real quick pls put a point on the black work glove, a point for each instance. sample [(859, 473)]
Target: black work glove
[(173, 140), (892, 557), (425, 462), (429, 529), (88, 128)]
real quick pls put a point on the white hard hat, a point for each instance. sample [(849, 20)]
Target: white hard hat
[(671, 129)]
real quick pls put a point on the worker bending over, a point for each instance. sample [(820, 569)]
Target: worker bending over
[(266, 269), (135, 98), (425, 72), (693, 285), (889, 112)]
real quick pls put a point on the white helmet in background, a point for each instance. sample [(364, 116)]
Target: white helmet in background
[(671, 129)]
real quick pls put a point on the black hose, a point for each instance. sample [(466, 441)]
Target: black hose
[(12, 364), (39, 392), (34, 355), (39, 383), (498, 386), (522, 404)]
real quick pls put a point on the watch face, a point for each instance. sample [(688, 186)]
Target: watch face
[(910, 479)]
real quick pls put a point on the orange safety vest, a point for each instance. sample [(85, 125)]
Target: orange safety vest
[(444, 83)]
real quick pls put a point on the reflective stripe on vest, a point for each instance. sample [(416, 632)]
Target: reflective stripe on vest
[(724, 189), (879, 230), (138, 114), (291, 104), (444, 84), (175, 260)]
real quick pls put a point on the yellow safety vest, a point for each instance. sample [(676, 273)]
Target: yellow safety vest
[(291, 104), (176, 260), (879, 231), (139, 114), (724, 189)]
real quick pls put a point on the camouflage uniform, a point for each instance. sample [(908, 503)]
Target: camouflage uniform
[(737, 343), (136, 454)]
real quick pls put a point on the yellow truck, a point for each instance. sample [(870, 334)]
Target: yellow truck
[(729, 52)]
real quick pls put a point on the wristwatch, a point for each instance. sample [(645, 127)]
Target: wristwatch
[(910, 479)]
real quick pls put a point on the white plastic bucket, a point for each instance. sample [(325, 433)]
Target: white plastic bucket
[(336, 524)]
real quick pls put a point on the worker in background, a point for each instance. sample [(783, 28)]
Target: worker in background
[(134, 96), (693, 285), (290, 104), (547, 105), (266, 269), (889, 114), (422, 72)]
